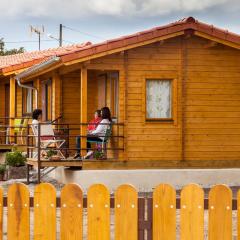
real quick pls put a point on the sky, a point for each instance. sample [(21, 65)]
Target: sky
[(99, 20)]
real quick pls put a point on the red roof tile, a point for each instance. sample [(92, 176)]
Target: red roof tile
[(27, 59), (69, 53)]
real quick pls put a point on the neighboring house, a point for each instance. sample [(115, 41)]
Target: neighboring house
[(176, 88)]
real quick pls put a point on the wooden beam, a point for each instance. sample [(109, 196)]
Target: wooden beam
[(210, 44), (14, 72), (188, 33), (41, 72), (221, 41), (125, 109), (12, 112), (56, 95), (67, 69), (83, 110), (158, 164), (184, 76)]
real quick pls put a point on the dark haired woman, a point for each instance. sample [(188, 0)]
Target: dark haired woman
[(36, 118), (99, 133)]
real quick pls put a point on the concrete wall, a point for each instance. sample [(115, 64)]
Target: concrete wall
[(146, 180)]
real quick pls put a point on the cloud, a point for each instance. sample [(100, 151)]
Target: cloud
[(76, 9)]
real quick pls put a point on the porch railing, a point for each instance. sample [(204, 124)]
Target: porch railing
[(65, 131), (69, 132)]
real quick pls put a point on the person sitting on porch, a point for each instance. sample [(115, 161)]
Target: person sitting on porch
[(94, 123), (36, 118), (97, 134)]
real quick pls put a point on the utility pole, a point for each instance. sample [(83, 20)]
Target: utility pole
[(60, 35), (38, 32)]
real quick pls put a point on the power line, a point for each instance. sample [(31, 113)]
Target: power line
[(88, 34), (28, 41), (68, 41)]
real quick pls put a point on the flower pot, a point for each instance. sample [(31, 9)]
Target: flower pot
[(17, 172), (55, 158)]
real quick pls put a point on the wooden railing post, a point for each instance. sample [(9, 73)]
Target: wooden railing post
[(12, 108), (83, 110)]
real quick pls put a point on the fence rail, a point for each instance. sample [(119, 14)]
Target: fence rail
[(135, 217)]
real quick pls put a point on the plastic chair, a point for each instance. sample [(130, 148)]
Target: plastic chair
[(106, 138)]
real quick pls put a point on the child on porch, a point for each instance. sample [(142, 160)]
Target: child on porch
[(91, 127)]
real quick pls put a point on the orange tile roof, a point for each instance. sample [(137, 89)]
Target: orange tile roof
[(23, 60), (18, 61)]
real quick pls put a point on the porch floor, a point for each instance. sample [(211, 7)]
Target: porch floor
[(59, 163)]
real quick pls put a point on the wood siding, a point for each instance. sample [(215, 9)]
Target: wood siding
[(213, 102)]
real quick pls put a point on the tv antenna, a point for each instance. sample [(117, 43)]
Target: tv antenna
[(38, 31)]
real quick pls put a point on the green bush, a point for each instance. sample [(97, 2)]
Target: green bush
[(2, 169), (15, 159)]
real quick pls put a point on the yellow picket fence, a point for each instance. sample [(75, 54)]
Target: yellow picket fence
[(129, 221)]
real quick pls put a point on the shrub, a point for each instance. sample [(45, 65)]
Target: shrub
[(15, 159)]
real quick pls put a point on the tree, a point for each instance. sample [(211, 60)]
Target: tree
[(4, 52)]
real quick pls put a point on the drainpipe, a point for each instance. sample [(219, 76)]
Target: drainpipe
[(33, 70)]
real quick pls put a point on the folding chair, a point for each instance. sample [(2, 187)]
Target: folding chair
[(47, 138)]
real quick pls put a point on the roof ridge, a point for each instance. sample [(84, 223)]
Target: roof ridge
[(75, 45)]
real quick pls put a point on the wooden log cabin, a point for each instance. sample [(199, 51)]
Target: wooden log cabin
[(175, 88)]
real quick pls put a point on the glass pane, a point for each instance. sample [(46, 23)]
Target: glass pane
[(158, 99), (29, 101)]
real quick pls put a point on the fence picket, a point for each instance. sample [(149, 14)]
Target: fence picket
[(71, 212), (164, 212), (238, 215), (98, 213), (1, 213), (18, 222), (192, 213), (44, 212), (220, 213), (126, 213)]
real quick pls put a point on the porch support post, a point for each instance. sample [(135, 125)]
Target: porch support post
[(56, 96), (12, 107), (83, 110)]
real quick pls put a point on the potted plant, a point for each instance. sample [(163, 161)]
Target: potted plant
[(52, 155), (99, 155), (16, 165), (2, 171)]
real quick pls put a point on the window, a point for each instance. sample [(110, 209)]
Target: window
[(47, 100), (27, 96), (108, 92), (158, 99), (112, 93)]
